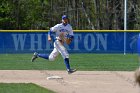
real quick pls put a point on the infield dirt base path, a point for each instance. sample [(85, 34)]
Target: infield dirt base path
[(78, 82)]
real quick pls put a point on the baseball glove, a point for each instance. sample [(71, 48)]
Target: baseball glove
[(68, 40), (137, 76)]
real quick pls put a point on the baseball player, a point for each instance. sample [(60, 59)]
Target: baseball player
[(64, 34)]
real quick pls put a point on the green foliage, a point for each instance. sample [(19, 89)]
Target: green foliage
[(23, 14), (43, 14), (5, 15), (34, 10)]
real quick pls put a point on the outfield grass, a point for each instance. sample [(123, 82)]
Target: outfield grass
[(100, 62), (22, 88)]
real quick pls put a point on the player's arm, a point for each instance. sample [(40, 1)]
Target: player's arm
[(52, 30), (49, 35)]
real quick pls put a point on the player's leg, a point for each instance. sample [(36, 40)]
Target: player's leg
[(36, 55), (50, 57), (66, 61), (53, 54), (45, 56), (65, 56)]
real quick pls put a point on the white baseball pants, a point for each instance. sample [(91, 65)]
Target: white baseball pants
[(58, 48)]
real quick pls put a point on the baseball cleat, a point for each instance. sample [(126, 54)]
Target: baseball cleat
[(34, 56), (72, 71)]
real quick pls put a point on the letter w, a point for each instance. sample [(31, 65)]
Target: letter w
[(19, 40)]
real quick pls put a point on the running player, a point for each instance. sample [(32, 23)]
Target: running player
[(64, 34)]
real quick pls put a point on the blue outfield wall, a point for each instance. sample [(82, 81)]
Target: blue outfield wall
[(84, 42)]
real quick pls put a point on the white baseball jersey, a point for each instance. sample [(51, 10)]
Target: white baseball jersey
[(60, 28), (58, 46)]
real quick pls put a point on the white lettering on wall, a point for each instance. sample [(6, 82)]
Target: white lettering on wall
[(102, 40), (36, 39), (89, 40), (82, 42), (19, 41), (77, 39)]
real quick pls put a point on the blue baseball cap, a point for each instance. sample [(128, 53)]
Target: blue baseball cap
[(64, 17)]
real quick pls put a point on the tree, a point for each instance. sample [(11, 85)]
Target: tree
[(6, 20), (83, 14)]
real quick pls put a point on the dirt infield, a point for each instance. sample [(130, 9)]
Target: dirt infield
[(79, 82)]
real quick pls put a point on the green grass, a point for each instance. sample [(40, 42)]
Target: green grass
[(22, 88), (100, 62), (96, 62)]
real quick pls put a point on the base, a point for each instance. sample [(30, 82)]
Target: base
[(54, 77)]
